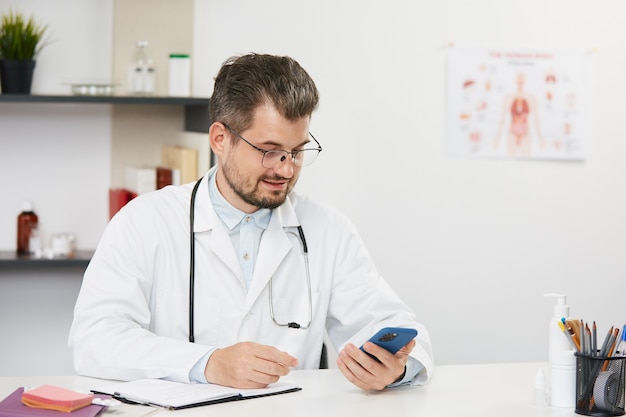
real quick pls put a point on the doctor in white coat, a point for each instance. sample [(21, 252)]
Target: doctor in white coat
[(235, 279)]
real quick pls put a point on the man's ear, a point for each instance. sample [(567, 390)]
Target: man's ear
[(217, 137)]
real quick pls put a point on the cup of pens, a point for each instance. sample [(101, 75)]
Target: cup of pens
[(600, 384)]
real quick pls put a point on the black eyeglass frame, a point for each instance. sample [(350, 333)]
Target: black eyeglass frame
[(292, 153)]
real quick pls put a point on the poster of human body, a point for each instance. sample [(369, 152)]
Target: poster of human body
[(518, 103)]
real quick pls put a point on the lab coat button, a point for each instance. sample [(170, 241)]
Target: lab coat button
[(246, 256)]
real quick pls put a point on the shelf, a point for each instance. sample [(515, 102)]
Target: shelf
[(196, 108), (35, 98), (12, 259)]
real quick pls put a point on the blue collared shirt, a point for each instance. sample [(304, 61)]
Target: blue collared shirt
[(245, 229)]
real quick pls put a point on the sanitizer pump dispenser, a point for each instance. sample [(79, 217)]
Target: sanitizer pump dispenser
[(561, 358)]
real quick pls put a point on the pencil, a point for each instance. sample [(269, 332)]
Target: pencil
[(572, 332), (569, 336), (594, 340)]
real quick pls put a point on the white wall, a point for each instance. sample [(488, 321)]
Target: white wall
[(58, 156), (37, 306), (60, 163), (470, 244)]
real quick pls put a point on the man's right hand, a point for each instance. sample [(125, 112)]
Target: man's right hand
[(248, 365)]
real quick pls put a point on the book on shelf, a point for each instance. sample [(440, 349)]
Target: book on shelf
[(118, 198), (164, 177), (184, 159), (140, 180), (178, 395)]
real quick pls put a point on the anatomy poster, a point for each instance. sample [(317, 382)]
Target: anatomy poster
[(518, 103)]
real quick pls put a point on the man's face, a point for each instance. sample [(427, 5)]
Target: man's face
[(242, 179)]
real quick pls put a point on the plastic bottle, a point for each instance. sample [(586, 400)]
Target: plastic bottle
[(34, 243), (561, 359), (141, 71), (27, 222), (179, 75), (539, 394)]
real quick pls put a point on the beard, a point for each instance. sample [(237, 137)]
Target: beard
[(250, 192)]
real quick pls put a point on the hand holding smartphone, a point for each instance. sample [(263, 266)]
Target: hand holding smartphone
[(392, 339)]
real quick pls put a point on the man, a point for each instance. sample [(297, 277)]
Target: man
[(271, 270)]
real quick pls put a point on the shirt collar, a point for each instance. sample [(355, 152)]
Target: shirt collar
[(232, 216)]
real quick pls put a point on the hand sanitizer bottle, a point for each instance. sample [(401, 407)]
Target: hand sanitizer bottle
[(561, 359)]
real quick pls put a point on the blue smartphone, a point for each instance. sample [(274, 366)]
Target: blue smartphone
[(392, 339)]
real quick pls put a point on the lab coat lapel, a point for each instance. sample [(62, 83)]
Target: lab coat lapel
[(275, 245), (210, 229)]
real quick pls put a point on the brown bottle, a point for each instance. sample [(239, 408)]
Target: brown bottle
[(27, 220)]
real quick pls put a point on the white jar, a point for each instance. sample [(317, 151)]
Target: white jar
[(179, 75), (62, 244)]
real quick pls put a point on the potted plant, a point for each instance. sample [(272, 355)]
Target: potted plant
[(21, 41)]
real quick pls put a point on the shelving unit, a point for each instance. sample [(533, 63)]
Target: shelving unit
[(196, 108), (11, 259)]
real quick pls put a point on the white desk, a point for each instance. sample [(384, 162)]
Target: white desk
[(456, 390)]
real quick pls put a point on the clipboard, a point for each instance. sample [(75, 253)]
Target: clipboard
[(177, 395)]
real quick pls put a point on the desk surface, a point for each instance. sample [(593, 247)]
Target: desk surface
[(455, 390)]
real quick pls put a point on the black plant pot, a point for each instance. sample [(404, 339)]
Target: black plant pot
[(16, 76)]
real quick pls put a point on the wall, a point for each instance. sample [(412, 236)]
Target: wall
[(59, 157), (36, 307), (139, 131), (65, 157), (470, 244), (60, 163)]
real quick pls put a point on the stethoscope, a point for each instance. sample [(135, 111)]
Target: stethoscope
[(192, 274)]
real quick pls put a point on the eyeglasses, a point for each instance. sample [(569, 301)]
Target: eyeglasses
[(274, 158)]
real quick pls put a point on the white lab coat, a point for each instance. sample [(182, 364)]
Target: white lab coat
[(131, 318)]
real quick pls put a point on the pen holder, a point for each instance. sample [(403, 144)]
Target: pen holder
[(600, 385)]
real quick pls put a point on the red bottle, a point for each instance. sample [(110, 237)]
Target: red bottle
[(27, 220)]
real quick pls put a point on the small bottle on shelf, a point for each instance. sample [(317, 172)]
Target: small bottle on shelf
[(141, 71), (27, 221), (179, 75), (34, 243)]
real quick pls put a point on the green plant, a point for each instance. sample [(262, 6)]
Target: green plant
[(20, 39)]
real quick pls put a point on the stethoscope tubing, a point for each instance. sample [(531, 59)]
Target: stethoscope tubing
[(192, 260)]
